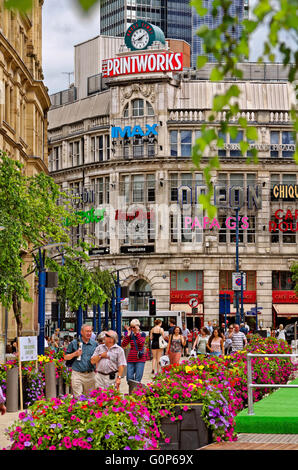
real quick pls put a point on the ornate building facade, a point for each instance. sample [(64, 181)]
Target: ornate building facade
[(125, 151), (24, 103)]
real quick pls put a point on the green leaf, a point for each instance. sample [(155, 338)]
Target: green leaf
[(252, 133), (216, 75), (87, 4), (201, 61), (21, 5)]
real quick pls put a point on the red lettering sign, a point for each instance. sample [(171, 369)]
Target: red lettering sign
[(284, 297), (143, 63), (183, 296)]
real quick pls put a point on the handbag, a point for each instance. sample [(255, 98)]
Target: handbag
[(140, 353), (162, 343)]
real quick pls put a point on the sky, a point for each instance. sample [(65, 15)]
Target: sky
[(64, 25)]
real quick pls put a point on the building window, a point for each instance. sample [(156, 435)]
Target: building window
[(282, 144), (100, 148), (225, 280), (138, 188), (186, 143), (228, 235), (74, 153), (55, 158), (282, 280), (174, 143), (138, 108), (186, 280)]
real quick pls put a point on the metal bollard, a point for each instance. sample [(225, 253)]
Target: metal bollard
[(12, 390), (50, 380)]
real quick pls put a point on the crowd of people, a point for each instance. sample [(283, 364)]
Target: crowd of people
[(100, 362)]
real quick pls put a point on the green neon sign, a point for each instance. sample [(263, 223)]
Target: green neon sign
[(88, 217)]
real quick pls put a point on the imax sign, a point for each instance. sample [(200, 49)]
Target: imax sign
[(135, 131)]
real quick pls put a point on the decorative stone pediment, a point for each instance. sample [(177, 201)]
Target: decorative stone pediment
[(147, 90)]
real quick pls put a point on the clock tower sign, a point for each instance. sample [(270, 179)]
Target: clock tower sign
[(141, 35)]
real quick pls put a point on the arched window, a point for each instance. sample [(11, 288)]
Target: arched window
[(137, 108), (139, 293)]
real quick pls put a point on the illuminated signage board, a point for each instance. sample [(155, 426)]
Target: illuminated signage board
[(135, 131), (224, 196), (285, 191), (285, 221), (143, 63), (88, 217)]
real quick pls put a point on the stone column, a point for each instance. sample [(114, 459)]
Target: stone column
[(211, 295)]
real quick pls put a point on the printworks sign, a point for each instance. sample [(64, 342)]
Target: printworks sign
[(143, 63)]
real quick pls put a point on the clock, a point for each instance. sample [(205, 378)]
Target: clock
[(140, 35), (140, 38)]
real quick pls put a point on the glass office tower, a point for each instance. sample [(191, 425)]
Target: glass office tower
[(176, 18)]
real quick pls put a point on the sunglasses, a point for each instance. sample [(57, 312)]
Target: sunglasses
[(108, 336)]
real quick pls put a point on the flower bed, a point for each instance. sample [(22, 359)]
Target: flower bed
[(34, 378), (219, 383), (101, 421), (105, 420)]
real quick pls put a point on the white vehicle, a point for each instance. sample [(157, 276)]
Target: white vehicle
[(147, 322)]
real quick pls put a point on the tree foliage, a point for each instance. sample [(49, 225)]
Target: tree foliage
[(33, 218)]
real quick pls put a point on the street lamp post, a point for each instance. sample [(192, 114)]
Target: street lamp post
[(41, 301), (42, 276), (237, 264)]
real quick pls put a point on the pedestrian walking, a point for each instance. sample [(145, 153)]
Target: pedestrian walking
[(243, 329), (2, 403), (200, 344), (280, 333), (238, 338), (209, 327), (156, 333), (80, 353), (215, 343), (172, 324), (228, 341), (137, 355), (175, 346), (186, 333), (109, 359)]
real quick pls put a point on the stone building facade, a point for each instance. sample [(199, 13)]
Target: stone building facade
[(24, 103), (127, 150)]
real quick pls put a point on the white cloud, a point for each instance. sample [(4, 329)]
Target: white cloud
[(64, 25)]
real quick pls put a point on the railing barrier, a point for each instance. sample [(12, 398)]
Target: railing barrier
[(251, 385)]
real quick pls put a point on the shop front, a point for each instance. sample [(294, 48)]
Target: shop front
[(187, 296)]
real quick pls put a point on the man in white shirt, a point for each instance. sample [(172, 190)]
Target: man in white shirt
[(110, 361), (238, 338)]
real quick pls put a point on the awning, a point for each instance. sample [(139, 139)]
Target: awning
[(287, 310), (186, 308), (246, 307)]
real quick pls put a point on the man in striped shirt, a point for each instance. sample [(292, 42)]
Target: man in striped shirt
[(137, 355), (238, 338)]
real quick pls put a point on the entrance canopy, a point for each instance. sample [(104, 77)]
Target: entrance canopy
[(287, 310)]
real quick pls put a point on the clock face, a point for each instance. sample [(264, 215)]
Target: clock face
[(140, 39)]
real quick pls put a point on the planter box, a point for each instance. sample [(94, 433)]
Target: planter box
[(189, 433)]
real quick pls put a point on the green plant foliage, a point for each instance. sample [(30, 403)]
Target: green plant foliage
[(32, 218)]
